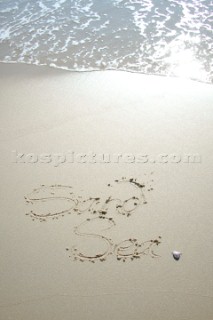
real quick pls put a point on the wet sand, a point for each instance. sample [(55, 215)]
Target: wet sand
[(47, 111)]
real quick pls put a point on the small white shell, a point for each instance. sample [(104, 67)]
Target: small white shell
[(176, 255)]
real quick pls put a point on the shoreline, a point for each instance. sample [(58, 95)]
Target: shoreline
[(51, 69)]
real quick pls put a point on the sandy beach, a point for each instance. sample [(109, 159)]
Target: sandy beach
[(156, 133)]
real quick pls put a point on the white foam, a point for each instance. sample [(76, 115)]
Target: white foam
[(144, 36)]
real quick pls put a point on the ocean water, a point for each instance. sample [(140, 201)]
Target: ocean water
[(163, 37)]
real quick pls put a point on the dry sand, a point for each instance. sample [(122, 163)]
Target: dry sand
[(54, 111)]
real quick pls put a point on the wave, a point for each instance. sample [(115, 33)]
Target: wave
[(169, 38)]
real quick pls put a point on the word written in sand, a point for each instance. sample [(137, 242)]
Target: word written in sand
[(78, 205), (100, 209), (130, 249)]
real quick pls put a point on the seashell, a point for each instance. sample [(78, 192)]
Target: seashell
[(176, 255)]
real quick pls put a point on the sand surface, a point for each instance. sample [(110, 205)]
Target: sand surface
[(45, 111)]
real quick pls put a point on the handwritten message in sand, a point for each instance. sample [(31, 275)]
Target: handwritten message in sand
[(56, 201)]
